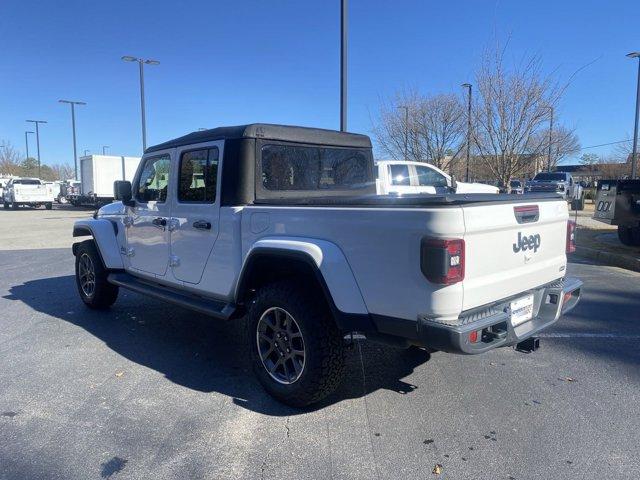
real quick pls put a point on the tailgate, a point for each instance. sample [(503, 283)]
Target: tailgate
[(509, 250), (30, 193)]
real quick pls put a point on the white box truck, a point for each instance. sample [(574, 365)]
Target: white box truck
[(97, 174)]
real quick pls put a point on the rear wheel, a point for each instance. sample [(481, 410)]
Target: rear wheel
[(91, 278), (624, 235), (48, 205), (296, 347)]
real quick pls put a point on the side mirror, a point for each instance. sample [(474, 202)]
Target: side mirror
[(454, 184), (122, 192)]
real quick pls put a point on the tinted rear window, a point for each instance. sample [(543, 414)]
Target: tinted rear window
[(26, 181), (309, 168)]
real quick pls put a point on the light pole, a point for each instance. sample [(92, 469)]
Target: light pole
[(343, 64), (141, 63), (406, 130), (104, 148), (634, 151), (37, 122), (550, 137), (26, 142), (469, 87), (73, 128)]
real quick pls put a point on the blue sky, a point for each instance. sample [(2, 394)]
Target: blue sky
[(232, 62)]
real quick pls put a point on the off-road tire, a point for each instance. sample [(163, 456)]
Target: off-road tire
[(104, 293), (635, 236), (624, 235), (48, 205), (323, 342)]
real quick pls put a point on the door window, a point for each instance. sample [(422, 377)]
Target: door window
[(198, 174), (428, 177), (154, 179), (400, 175)]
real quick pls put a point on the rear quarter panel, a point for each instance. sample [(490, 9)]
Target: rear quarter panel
[(381, 245)]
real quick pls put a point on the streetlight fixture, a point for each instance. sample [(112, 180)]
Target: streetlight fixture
[(37, 122), (550, 136), (344, 7), (141, 63), (468, 86), (634, 152), (26, 141), (104, 148), (73, 128)]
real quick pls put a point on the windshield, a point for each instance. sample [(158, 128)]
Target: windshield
[(550, 176), (515, 183)]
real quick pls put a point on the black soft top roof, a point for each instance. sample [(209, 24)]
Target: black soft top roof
[(287, 133)]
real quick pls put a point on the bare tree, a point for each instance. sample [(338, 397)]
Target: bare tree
[(564, 142), (512, 111), (63, 171), (9, 160), (422, 128)]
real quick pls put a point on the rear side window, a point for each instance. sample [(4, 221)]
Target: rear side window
[(296, 168), (198, 174), (430, 178), (154, 179), (400, 175)]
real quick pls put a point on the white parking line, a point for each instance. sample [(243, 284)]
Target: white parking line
[(358, 336), (589, 335)]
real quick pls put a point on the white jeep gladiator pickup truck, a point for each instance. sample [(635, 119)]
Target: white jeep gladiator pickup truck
[(27, 191), (282, 225)]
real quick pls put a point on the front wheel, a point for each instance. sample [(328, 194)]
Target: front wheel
[(6, 205), (91, 278), (48, 205), (296, 347)]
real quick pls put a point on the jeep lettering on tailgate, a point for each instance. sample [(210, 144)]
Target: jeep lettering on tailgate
[(532, 242)]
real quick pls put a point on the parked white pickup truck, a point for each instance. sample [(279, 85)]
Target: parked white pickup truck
[(283, 225), (27, 191), (404, 177)]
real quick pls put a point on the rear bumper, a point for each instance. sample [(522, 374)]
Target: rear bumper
[(492, 323)]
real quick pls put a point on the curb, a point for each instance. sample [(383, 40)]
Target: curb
[(608, 258)]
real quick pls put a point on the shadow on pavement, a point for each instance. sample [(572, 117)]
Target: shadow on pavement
[(204, 354)]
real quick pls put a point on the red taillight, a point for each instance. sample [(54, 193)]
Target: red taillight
[(571, 236), (442, 260)]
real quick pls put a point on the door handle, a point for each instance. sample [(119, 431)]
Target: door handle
[(159, 222), (202, 225)]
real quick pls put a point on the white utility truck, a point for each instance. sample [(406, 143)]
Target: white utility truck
[(31, 192), (404, 177), (282, 225), (97, 174)]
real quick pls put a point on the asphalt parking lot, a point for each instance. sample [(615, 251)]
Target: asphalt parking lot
[(149, 390)]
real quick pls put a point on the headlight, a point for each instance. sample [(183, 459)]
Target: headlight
[(561, 187)]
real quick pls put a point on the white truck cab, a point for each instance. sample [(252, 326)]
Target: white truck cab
[(406, 177), (283, 225)]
